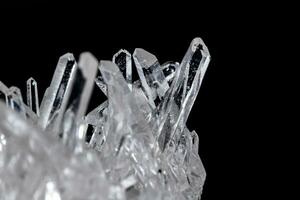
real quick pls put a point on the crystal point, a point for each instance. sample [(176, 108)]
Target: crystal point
[(79, 97), (184, 89), (123, 60), (3, 92), (88, 65), (56, 97), (151, 75), (32, 96), (15, 100)]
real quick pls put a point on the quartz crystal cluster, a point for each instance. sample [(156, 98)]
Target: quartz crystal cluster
[(134, 145)]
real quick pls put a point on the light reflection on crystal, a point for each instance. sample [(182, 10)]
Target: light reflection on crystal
[(123, 60), (32, 96), (151, 75), (3, 92), (57, 95), (134, 145)]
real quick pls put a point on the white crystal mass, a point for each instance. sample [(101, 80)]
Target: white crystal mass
[(135, 145)]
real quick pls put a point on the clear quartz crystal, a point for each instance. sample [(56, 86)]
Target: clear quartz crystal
[(134, 145), (184, 89), (100, 83), (3, 92), (15, 100), (80, 96), (32, 96), (151, 75), (123, 60), (56, 96)]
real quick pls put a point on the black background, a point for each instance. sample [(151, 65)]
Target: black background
[(34, 36)]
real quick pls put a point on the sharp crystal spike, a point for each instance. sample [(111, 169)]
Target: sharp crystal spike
[(15, 100), (123, 60), (80, 95), (196, 67), (184, 89), (32, 96), (55, 100), (88, 65), (3, 92), (151, 75)]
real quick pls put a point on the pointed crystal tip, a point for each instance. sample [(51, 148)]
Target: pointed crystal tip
[(108, 66), (145, 58), (120, 52), (68, 56), (198, 43), (88, 64)]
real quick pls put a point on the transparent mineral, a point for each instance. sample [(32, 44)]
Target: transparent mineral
[(134, 145)]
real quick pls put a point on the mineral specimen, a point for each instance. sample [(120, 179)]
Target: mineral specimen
[(134, 145)]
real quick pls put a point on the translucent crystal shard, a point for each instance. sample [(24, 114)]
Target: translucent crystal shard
[(142, 102), (151, 75), (185, 87), (122, 103), (15, 100), (196, 172), (118, 110), (120, 142), (32, 116), (123, 60), (80, 96), (56, 97), (97, 115), (100, 83), (3, 92), (195, 67), (32, 96), (118, 91), (88, 66)]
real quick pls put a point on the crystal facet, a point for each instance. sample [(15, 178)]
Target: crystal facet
[(32, 96), (56, 96), (123, 60), (151, 75), (3, 92), (134, 145)]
